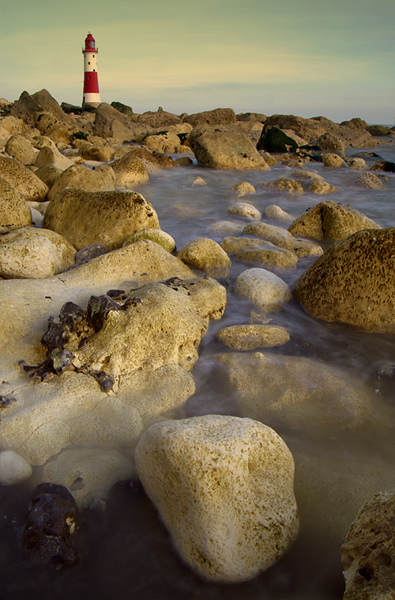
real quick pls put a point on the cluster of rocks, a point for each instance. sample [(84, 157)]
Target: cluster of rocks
[(106, 318)]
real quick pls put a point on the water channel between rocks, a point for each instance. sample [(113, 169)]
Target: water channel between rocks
[(127, 553)]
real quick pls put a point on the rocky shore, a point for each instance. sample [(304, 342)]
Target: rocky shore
[(104, 316)]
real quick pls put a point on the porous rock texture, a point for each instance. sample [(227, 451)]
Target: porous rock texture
[(369, 550), (78, 176), (283, 238), (331, 220), (14, 211), (263, 288), (207, 255), (21, 149), (353, 282), (277, 389), (22, 179), (264, 254), (31, 252), (85, 218), (221, 147), (224, 489), (250, 337)]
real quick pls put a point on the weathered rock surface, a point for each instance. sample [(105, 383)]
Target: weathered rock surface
[(243, 209), (207, 255), (353, 282), (78, 176), (333, 160), (283, 184), (165, 142), (222, 147), (276, 213), (13, 468), (251, 337), (14, 211), (97, 152), (243, 188), (85, 217), (224, 228), (259, 251), (155, 235), (30, 252), (51, 156), (21, 149), (218, 116), (159, 118), (368, 552), (22, 179), (282, 238), (263, 288), (129, 170), (273, 139), (369, 180), (331, 142), (331, 220), (278, 389), (230, 513)]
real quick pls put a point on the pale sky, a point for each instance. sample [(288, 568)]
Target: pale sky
[(306, 57)]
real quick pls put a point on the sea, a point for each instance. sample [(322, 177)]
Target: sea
[(126, 552)]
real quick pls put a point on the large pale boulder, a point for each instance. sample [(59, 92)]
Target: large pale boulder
[(353, 282), (22, 179), (50, 105), (222, 147), (105, 115), (230, 511), (367, 554), (13, 125), (261, 252), (262, 288), (164, 142), (282, 238), (31, 252), (244, 209), (129, 170), (51, 156), (85, 218), (207, 255), (331, 220), (21, 149), (78, 176), (303, 394), (14, 211), (13, 468), (97, 152)]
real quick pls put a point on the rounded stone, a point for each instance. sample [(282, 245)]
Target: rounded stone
[(207, 255), (155, 235), (333, 160), (243, 209), (243, 188), (251, 337), (13, 468), (14, 211), (263, 288), (224, 489)]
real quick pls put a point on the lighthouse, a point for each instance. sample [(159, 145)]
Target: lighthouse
[(91, 84)]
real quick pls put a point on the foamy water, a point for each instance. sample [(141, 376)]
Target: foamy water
[(126, 551)]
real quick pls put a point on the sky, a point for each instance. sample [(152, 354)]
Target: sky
[(334, 58)]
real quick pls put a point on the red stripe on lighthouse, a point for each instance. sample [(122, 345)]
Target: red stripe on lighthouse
[(91, 83)]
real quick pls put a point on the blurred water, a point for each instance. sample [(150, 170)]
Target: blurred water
[(126, 551)]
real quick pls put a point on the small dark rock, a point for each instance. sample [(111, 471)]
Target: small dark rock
[(98, 309), (86, 254), (274, 139)]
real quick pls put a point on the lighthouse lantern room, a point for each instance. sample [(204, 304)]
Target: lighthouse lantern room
[(91, 84)]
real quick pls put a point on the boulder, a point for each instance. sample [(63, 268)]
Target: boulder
[(357, 164), (218, 116), (251, 337), (14, 211), (283, 184), (243, 188), (225, 228), (331, 220), (22, 179), (150, 157), (379, 130), (282, 238), (384, 165), (367, 554), (159, 119), (130, 170), (36, 253), (13, 468), (243, 209), (52, 157), (85, 218), (48, 174), (331, 142), (254, 117), (222, 147), (13, 125), (50, 105), (25, 108), (333, 160), (21, 149), (105, 116), (78, 176), (97, 153), (276, 213), (231, 514), (265, 254), (207, 255), (262, 288), (166, 142), (355, 123), (123, 108), (281, 390), (155, 235), (273, 139), (353, 282), (369, 180)]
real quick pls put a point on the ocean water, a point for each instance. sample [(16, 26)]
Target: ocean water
[(125, 550)]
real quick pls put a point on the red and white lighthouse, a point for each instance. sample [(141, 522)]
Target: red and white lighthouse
[(91, 84)]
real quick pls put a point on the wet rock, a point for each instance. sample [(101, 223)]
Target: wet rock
[(22, 179), (225, 228), (201, 462), (198, 181), (331, 220), (218, 116), (275, 213), (222, 147), (151, 157), (13, 468), (88, 473), (353, 282), (243, 188), (321, 187), (251, 337), (368, 552), (282, 238), (331, 142), (78, 176), (207, 255), (21, 149), (370, 181), (85, 217), (31, 252), (50, 523), (261, 252), (243, 209), (278, 389), (357, 164), (333, 160), (129, 170), (14, 211), (207, 295), (384, 165), (283, 184), (155, 235), (262, 288)]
